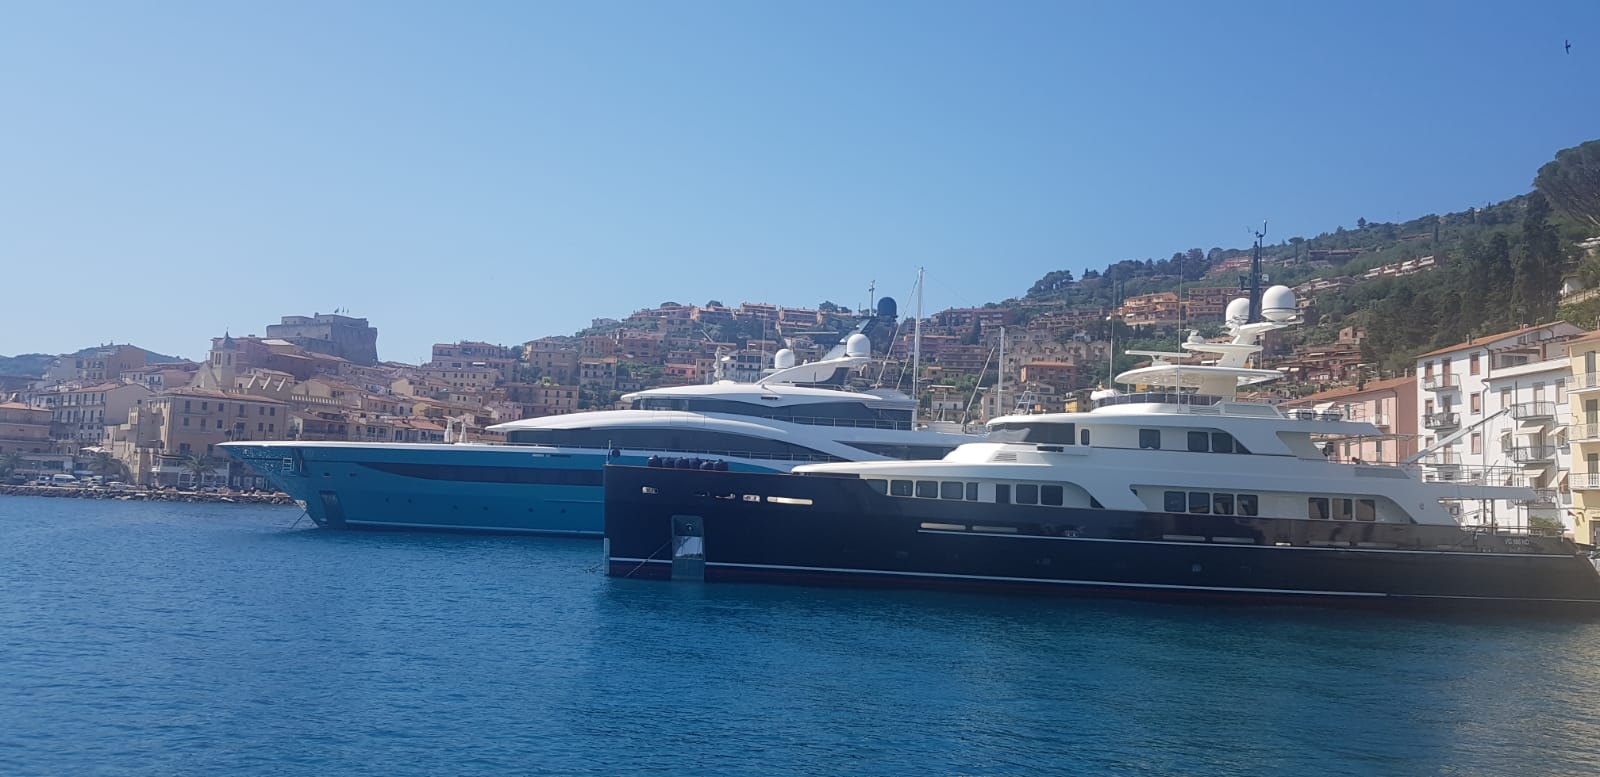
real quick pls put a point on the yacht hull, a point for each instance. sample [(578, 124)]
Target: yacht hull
[(492, 489), (726, 527)]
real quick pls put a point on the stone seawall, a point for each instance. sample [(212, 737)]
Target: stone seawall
[(146, 495)]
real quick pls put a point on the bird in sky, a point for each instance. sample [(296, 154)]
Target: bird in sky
[(1569, 46)]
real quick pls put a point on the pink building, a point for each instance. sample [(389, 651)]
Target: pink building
[(1390, 405)]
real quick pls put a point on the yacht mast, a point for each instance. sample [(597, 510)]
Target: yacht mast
[(916, 352), (1000, 378)]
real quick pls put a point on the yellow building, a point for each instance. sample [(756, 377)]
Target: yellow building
[(1584, 395)]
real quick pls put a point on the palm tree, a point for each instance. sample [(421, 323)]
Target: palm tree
[(197, 466), (9, 464), (108, 466)]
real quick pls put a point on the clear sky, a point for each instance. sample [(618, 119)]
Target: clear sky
[(505, 171)]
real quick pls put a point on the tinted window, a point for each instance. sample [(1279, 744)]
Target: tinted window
[(700, 441), (1199, 502), (1199, 442), (1027, 494), (1366, 510), (1248, 504), (1150, 438), (1341, 510), (1175, 501), (1051, 495), (928, 489), (952, 490), (1002, 493), (1317, 507), (1054, 434), (972, 492), (1083, 437), (1222, 504), (880, 486), (900, 487), (471, 474), (1221, 442)]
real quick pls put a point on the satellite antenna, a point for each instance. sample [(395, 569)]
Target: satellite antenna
[(1255, 273)]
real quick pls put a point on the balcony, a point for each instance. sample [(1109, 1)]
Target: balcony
[(1534, 411), (1533, 454), (1542, 497), (1587, 481), (1380, 420), (1583, 432), (1441, 382), (1442, 459), (1585, 382), (1441, 420)]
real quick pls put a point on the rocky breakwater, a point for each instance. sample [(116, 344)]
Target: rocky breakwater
[(148, 495)]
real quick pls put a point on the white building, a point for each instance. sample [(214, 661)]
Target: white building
[(1493, 411)]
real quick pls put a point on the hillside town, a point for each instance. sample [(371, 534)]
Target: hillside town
[(1514, 408)]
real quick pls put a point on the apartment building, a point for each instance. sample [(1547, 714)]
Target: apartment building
[(1481, 411), (80, 414), (1583, 394), (1390, 405)]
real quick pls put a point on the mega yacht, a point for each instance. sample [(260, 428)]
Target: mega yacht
[(1184, 487), (546, 479)]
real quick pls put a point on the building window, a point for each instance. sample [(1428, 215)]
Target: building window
[(1477, 402), (1472, 365), (1505, 398), (1477, 442)]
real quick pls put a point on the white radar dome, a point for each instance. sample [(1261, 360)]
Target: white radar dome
[(1238, 311), (1279, 304), (857, 345), (783, 359)]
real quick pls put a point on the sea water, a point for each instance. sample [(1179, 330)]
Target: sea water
[(174, 639)]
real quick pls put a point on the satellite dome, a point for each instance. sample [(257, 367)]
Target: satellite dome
[(1279, 304), (1238, 311), (856, 345), (783, 359)]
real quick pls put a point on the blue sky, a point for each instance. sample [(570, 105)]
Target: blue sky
[(504, 171)]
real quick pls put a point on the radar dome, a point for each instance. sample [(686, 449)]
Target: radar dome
[(1279, 304), (856, 345), (887, 308), (1238, 311), (783, 359)]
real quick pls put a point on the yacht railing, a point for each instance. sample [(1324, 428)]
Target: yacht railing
[(729, 454), (853, 423)]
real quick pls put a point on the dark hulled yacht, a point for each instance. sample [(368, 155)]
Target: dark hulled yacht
[(1186, 492)]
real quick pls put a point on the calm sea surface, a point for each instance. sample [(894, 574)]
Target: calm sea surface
[(212, 640)]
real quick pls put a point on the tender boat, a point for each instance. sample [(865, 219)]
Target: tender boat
[(1182, 490)]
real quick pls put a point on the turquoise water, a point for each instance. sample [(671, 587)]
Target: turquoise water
[(201, 640)]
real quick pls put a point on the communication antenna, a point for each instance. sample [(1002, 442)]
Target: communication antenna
[(1255, 274)]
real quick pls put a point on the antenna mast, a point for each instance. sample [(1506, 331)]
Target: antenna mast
[(916, 351), (1255, 274)]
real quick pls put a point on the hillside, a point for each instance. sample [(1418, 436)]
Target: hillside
[(1500, 266)]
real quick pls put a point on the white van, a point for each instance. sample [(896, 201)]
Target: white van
[(62, 479)]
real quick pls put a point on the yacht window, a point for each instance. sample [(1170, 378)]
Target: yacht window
[(1150, 438), (1221, 442), (1051, 495), (1051, 433), (1002, 493), (1366, 510), (879, 486), (1222, 504), (1199, 502), (1027, 494), (1199, 442), (928, 489), (1317, 507), (951, 489), (1341, 510), (1248, 504), (900, 487), (1175, 501), (1083, 436), (972, 492)]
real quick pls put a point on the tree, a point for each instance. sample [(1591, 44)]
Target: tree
[(198, 466), (107, 466), (715, 304), (1361, 223), (9, 464), (1537, 276), (1571, 183), (828, 307)]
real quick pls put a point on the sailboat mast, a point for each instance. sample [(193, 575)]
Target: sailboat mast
[(916, 351), (1000, 378)]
